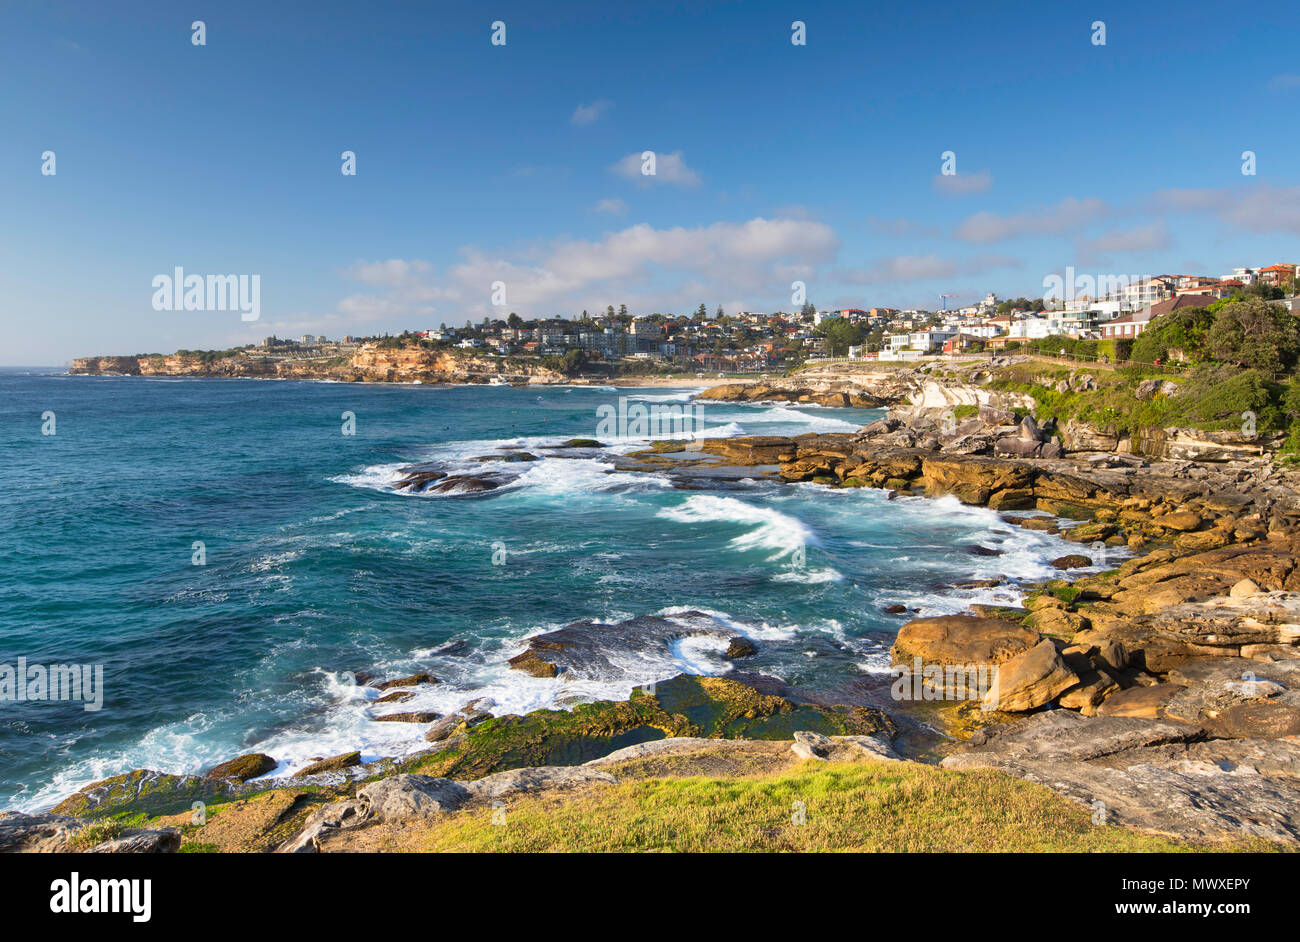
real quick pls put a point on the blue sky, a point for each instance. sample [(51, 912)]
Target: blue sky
[(478, 163)]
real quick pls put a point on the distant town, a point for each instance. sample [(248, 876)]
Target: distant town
[(756, 341)]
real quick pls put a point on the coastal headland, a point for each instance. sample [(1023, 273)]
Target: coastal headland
[(1152, 705)]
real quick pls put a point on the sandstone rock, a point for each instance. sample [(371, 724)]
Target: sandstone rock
[(1152, 774), (808, 745), (1072, 561), (1245, 589), (961, 640), (1139, 702), (1183, 521), (1029, 680)]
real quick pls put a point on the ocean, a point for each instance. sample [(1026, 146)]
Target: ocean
[(231, 559)]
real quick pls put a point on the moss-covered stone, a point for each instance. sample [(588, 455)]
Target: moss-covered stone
[(143, 791), (684, 706), (244, 767)]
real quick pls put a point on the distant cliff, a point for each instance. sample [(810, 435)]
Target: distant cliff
[(369, 364)]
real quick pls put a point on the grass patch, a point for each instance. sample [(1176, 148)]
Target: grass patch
[(95, 834), (874, 806)]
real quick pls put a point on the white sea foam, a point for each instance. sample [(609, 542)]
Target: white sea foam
[(771, 530)]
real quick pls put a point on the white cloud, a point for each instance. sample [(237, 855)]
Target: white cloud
[(656, 268), (614, 206), (905, 268), (1068, 214), (1259, 208), (1151, 237), (590, 114), (669, 168), (963, 184)]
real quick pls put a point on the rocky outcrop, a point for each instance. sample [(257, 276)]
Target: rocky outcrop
[(961, 640), (371, 363), (60, 834), (1153, 774)]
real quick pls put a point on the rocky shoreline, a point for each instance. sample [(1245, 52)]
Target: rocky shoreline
[(1162, 694)]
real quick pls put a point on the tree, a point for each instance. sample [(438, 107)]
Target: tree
[(702, 312), (514, 320), (622, 310), (1256, 334), (719, 312), (840, 335)]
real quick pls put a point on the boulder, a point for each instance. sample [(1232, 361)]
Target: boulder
[(242, 768), (1029, 680), (961, 640), (1139, 702), (409, 797), (740, 647)]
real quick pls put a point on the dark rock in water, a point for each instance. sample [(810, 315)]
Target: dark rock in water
[(413, 680), (452, 647), (417, 717), (978, 584), (976, 550), (740, 647), (334, 764), (397, 696), (417, 479), (532, 662), (464, 484), (1073, 561), (242, 768), (580, 443), (510, 456), (895, 609), (591, 649), (363, 678)]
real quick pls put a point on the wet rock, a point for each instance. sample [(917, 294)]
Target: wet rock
[(411, 681), (464, 484), (242, 768), (419, 716), (590, 649), (333, 764), (1072, 561), (740, 647)]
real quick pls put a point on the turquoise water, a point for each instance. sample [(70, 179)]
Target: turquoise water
[(316, 568)]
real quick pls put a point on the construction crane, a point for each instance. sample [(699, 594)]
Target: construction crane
[(944, 298)]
